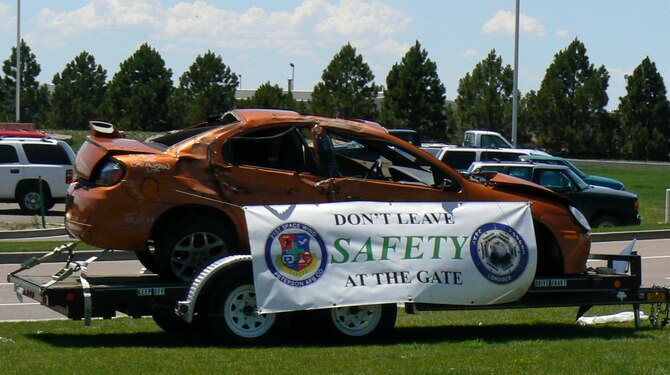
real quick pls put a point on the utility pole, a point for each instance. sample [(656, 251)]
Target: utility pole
[(18, 61)]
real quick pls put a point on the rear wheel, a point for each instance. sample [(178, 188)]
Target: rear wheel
[(148, 260), (357, 323), (185, 248), (30, 201)]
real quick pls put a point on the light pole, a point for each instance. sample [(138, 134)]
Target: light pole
[(18, 61), (292, 80), (515, 86)]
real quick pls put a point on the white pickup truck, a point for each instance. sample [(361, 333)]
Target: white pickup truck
[(485, 139)]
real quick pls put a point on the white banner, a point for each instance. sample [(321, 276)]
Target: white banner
[(313, 256)]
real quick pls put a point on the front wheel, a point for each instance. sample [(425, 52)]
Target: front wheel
[(606, 221), (232, 313), (358, 323)]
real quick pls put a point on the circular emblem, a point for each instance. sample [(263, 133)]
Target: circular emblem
[(295, 254), (499, 253)]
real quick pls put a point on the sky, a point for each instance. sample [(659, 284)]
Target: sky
[(260, 39)]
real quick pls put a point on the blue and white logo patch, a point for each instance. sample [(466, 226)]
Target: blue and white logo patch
[(499, 253)]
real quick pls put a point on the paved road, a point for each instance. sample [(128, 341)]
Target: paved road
[(10, 213), (655, 271)]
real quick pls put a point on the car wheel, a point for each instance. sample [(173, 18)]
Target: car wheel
[(549, 256), (357, 323), (148, 260), (185, 248), (606, 221), (232, 313), (30, 201)]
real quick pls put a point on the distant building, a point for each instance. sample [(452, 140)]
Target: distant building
[(299, 95)]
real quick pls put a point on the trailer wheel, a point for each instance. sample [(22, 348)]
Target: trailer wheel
[(186, 247), (358, 323), (171, 323), (232, 311)]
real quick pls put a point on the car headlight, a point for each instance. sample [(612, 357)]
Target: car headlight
[(580, 218), (110, 174)]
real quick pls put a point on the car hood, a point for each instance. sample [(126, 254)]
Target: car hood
[(604, 181), (517, 185), (96, 149), (609, 193)]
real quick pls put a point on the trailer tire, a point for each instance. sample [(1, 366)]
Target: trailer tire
[(360, 323), (232, 311), (171, 323)]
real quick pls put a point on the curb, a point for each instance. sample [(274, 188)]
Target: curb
[(631, 235), (30, 233), (18, 258)]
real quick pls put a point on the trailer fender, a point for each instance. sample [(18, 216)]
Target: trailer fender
[(186, 308)]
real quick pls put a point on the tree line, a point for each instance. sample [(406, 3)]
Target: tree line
[(565, 116)]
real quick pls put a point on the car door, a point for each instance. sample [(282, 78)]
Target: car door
[(369, 169), (271, 166), (11, 171)]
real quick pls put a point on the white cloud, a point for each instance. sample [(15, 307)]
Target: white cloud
[(314, 23), (7, 19), (391, 46), (471, 53), (563, 33), (503, 23)]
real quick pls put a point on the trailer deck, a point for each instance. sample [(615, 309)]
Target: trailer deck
[(76, 295)]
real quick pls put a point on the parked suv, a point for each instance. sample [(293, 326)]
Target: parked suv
[(460, 158), (24, 161), (602, 206)]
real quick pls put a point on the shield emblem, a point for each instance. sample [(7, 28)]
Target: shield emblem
[(296, 254)]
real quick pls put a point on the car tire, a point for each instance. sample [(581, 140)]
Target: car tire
[(360, 323), (29, 199), (549, 256), (606, 221), (232, 315), (185, 248), (148, 260)]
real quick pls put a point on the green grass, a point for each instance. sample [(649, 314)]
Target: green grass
[(650, 186), (535, 341)]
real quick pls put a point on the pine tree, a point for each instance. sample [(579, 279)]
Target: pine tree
[(568, 110), (138, 94), (645, 114), (485, 97), (347, 89), (78, 93), (415, 97), (208, 88), (33, 96)]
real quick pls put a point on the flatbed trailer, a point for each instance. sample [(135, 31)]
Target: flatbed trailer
[(79, 296)]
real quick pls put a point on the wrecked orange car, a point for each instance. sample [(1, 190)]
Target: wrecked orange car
[(177, 199)]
